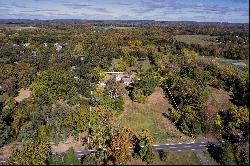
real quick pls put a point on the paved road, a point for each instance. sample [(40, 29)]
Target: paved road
[(201, 156), (197, 147)]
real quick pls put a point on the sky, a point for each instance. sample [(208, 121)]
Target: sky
[(236, 11)]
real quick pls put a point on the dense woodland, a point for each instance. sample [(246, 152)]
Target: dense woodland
[(63, 85)]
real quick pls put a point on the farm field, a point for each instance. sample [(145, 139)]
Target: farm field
[(203, 40)]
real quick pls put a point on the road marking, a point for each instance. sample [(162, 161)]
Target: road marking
[(156, 145), (179, 143), (202, 145), (203, 142), (91, 150), (79, 158), (81, 154), (2, 161), (159, 148), (166, 144), (188, 143), (192, 149), (179, 150), (78, 151), (187, 146), (172, 147)]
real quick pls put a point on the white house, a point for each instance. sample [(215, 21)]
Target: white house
[(58, 46), (118, 78), (127, 80), (26, 44)]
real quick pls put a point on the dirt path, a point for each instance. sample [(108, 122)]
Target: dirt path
[(23, 94)]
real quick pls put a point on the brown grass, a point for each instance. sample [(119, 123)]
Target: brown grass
[(23, 94), (150, 116)]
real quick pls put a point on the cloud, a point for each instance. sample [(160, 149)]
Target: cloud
[(76, 5), (122, 4), (148, 6), (102, 10), (41, 10), (18, 5)]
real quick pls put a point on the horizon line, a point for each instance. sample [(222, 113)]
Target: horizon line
[(123, 20)]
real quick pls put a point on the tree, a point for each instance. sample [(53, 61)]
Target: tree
[(55, 160), (137, 95), (226, 155), (146, 81), (143, 149), (19, 117), (82, 119), (218, 122), (111, 105), (94, 158), (121, 65), (237, 117), (57, 84), (79, 49), (98, 74), (27, 131), (118, 151), (32, 153), (70, 158), (164, 155), (6, 133)]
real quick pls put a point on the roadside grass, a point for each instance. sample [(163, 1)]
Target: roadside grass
[(183, 158), (210, 159), (203, 40), (150, 116), (177, 158)]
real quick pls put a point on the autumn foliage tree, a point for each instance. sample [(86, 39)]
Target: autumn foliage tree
[(143, 149), (118, 151), (32, 153)]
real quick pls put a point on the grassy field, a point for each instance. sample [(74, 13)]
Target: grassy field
[(150, 116), (210, 159), (178, 158), (203, 40)]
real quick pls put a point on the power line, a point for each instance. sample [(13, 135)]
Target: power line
[(170, 94)]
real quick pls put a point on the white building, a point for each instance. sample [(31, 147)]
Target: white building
[(118, 78), (58, 46), (26, 44)]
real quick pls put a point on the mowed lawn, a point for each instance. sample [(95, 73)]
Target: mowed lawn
[(150, 116), (177, 158)]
